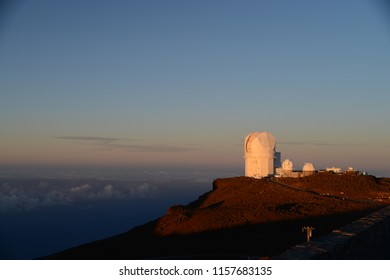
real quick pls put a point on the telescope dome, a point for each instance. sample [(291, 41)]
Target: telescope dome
[(308, 166)]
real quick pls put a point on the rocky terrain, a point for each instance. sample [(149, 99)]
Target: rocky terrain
[(243, 218)]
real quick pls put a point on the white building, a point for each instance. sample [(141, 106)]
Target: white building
[(260, 154), (308, 169), (288, 165), (333, 169)]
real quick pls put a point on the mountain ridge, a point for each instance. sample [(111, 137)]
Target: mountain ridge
[(243, 217)]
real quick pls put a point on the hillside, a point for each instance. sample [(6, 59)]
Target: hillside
[(245, 218)]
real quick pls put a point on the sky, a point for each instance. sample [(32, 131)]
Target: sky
[(179, 84)]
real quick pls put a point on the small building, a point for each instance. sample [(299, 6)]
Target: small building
[(336, 170), (351, 171), (287, 168), (308, 169)]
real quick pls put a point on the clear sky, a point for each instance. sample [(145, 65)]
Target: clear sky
[(181, 83)]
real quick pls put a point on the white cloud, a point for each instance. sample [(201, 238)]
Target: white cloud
[(82, 188), (145, 190), (108, 188), (32, 195)]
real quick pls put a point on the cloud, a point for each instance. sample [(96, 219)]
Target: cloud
[(89, 139), (145, 190), (108, 188), (152, 148), (293, 143), (109, 143), (82, 188), (321, 144), (32, 195)]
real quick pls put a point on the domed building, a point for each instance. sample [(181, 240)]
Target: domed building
[(287, 165), (259, 154), (287, 168), (308, 169)]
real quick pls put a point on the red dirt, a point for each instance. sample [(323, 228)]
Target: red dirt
[(243, 217), (242, 200)]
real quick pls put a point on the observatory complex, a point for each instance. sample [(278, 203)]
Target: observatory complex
[(262, 159)]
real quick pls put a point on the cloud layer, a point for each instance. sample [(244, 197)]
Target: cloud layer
[(109, 143), (29, 196)]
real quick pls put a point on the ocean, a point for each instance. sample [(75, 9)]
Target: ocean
[(39, 216)]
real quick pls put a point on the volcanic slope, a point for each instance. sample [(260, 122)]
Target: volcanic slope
[(245, 218)]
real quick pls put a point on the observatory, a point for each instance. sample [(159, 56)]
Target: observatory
[(260, 154), (262, 160), (287, 168), (308, 169)]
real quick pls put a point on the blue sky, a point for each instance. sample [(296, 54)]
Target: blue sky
[(181, 83)]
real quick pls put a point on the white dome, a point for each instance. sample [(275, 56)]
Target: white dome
[(308, 166), (260, 143), (287, 165)]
